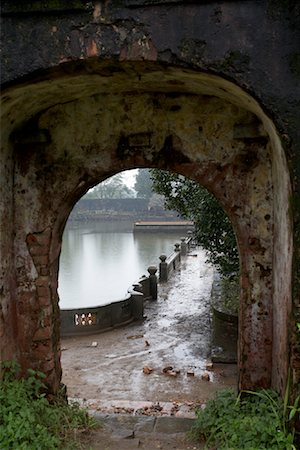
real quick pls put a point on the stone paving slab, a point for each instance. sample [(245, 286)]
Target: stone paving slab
[(125, 432), (173, 425), (135, 425)]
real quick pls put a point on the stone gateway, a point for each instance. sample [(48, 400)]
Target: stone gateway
[(207, 89)]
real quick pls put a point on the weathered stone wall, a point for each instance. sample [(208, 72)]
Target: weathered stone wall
[(8, 323), (101, 87)]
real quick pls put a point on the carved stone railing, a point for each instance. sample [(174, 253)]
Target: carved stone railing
[(168, 264), (100, 318), (106, 317)]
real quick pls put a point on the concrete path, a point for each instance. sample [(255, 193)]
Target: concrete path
[(124, 432), (157, 368)]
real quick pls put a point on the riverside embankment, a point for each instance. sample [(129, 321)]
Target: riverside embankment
[(126, 370)]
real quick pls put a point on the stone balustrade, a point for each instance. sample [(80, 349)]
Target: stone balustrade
[(106, 317), (168, 264), (111, 315)]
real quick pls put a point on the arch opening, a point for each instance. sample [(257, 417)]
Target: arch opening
[(175, 331), (196, 124)]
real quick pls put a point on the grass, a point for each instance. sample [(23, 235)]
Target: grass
[(29, 422), (252, 420)]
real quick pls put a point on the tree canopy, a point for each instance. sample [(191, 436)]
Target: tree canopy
[(213, 229), (143, 184), (113, 187)]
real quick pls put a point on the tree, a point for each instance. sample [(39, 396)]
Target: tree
[(213, 229), (113, 187), (143, 184)]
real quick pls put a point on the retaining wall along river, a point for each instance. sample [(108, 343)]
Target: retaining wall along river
[(101, 318)]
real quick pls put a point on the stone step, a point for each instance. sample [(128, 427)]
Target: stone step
[(127, 426), (139, 408)]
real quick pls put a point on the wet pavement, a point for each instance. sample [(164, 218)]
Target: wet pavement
[(124, 432), (160, 366)]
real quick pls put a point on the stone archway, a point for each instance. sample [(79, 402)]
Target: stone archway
[(67, 134)]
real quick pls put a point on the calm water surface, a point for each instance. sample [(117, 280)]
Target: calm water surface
[(99, 261)]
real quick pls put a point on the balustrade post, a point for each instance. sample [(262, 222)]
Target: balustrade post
[(153, 282), (138, 287), (183, 246), (163, 268), (177, 260), (177, 247), (137, 298)]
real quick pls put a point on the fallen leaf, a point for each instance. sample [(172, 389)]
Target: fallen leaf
[(172, 373), (205, 376), (136, 336)]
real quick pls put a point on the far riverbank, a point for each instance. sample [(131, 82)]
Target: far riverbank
[(128, 209)]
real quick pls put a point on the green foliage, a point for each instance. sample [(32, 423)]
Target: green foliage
[(253, 420), (143, 184), (113, 187), (28, 421), (213, 228), (294, 409), (235, 58)]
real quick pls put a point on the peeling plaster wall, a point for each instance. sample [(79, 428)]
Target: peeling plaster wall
[(79, 69)]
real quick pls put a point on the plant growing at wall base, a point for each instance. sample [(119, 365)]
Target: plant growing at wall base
[(251, 420), (29, 422)]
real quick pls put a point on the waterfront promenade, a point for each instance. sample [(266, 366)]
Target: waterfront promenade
[(175, 333), (158, 367)]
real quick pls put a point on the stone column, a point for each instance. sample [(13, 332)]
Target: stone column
[(183, 246), (137, 302), (153, 282), (163, 268), (190, 239)]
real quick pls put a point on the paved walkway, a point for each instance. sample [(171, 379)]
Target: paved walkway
[(160, 367), (124, 432)]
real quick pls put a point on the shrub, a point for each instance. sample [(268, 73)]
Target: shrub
[(29, 422), (252, 421)]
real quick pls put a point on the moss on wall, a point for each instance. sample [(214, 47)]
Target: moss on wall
[(235, 59)]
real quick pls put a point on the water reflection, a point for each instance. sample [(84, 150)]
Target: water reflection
[(99, 261)]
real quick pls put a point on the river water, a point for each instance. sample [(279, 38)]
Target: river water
[(100, 261)]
